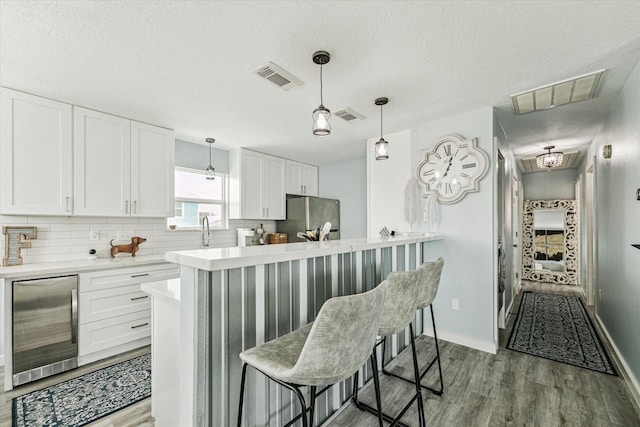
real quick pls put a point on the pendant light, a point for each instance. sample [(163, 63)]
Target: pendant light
[(382, 146), (549, 160), (210, 171), (321, 115)]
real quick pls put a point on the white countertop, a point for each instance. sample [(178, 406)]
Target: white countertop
[(225, 258), (166, 289), (76, 266)]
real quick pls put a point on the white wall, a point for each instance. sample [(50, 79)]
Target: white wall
[(554, 185), (386, 180), (347, 182), (618, 213), (468, 227)]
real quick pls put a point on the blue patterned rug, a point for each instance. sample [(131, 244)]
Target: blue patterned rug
[(557, 327), (85, 399)]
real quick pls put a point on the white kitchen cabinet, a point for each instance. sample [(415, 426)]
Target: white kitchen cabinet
[(114, 315), (257, 186), (152, 171), (302, 179), (35, 155), (121, 167)]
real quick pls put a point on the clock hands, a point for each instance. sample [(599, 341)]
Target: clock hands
[(450, 162)]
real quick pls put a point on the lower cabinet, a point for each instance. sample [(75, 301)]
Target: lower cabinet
[(114, 314)]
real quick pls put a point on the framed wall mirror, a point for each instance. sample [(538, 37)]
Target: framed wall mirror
[(550, 241)]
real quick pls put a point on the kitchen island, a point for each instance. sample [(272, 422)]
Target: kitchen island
[(236, 298)]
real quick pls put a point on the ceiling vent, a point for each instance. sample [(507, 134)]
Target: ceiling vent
[(278, 76), (569, 160), (349, 115), (561, 93)]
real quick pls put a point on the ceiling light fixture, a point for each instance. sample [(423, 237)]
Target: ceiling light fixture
[(549, 160), (210, 171), (382, 146), (321, 115)]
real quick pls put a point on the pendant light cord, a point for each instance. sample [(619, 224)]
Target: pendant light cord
[(380, 121), (210, 154), (321, 102)]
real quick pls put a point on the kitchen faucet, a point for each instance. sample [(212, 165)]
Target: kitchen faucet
[(205, 240)]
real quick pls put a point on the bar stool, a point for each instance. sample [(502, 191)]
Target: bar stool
[(321, 353), (397, 313), (428, 275)]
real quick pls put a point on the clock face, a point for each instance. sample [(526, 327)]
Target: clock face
[(453, 168)]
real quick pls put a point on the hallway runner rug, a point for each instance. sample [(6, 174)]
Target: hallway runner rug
[(557, 327), (81, 400)]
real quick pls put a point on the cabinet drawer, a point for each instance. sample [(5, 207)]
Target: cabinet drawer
[(104, 334), (105, 303), (99, 280)]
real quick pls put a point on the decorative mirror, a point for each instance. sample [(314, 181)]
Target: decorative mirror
[(550, 241)]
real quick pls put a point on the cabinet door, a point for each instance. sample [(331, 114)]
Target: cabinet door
[(252, 185), (294, 178), (310, 180), (152, 166), (274, 171), (35, 155), (102, 161)]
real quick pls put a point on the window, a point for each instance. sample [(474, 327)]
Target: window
[(197, 197), (549, 245)]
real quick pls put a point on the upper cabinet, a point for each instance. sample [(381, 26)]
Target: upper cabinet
[(257, 186), (121, 167), (58, 159), (35, 155), (302, 179)]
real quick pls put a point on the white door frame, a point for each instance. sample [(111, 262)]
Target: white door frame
[(516, 217), (590, 256)]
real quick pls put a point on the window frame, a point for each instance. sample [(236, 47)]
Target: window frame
[(223, 202)]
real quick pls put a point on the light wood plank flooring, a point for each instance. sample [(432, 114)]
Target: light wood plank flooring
[(481, 389)]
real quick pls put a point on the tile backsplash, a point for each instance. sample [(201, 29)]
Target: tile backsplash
[(69, 238)]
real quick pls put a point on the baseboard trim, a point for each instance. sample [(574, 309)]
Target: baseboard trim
[(627, 374), (486, 346), (508, 312)]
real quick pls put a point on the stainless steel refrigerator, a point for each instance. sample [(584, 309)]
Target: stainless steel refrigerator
[(309, 213)]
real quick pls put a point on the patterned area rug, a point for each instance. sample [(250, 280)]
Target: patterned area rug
[(84, 399), (557, 327)]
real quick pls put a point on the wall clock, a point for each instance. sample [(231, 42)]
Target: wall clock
[(453, 168)]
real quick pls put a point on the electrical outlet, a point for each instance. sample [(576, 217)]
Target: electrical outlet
[(124, 235), (94, 235), (455, 304)]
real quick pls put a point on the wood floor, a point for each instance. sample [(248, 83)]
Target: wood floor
[(481, 389)]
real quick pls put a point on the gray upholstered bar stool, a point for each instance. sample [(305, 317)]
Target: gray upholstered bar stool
[(397, 313), (321, 353), (428, 275)]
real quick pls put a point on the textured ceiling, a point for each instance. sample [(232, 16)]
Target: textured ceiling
[(189, 65)]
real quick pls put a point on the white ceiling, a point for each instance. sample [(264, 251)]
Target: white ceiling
[(189, 65)]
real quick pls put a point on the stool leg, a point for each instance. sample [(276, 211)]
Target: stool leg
[(313, 405), (438, 392), (244, 377), (416, 373), (435, 336), (376, 383), (303, 404)]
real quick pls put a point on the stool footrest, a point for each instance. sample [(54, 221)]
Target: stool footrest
[(388, 418)]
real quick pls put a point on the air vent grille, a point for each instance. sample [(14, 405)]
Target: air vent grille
[(349, 114), (554, 95), (278, 76)]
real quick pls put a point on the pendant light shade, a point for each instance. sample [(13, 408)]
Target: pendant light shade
[(382, 146), (549, 160), (210, 171), (321, 115)]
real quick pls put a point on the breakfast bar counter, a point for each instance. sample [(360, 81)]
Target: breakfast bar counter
[(232, 299)]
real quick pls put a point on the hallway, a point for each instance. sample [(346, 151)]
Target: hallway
[(508, 388)]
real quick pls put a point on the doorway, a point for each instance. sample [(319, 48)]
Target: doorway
[(589, 258)]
